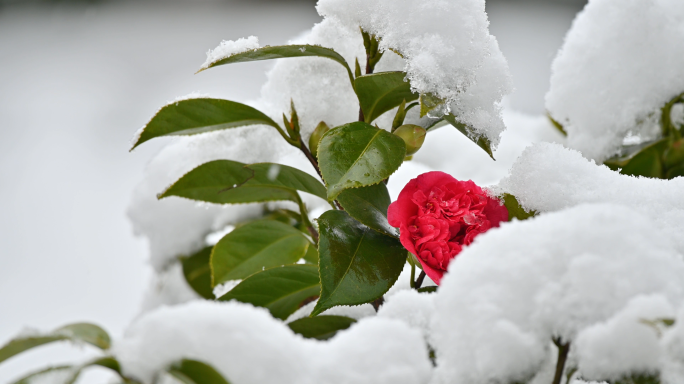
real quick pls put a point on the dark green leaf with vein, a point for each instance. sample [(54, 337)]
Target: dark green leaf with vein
[(79, 332), (369, 206), (281, 289), (232, 182), (356, 155), (196, 372), (282, 52), (254, 246), (197, 272), (357, 264), (380, 92), (194, 116), (320, 327), (482, 141)]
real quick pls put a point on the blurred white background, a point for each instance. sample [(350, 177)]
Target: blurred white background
[(78, 79)]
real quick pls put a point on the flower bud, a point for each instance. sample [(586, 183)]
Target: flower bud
[(316, 136), (413, 136)]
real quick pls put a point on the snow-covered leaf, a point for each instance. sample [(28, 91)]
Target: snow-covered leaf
[(357, 264), (78, 332), (481, 141), (281, 52)]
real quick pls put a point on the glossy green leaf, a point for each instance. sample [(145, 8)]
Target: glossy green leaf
[(79, 332), (515, 210), (195, 372), (399, 116), (369, 206), (232, 182), (357, 264), (281, 289), (279, 175), (282, 52), (481, 141), (320, 327), (225, 182), (380, 92), (356, 155), (197, 272), (193, 116), (641, 160), (254, 246)]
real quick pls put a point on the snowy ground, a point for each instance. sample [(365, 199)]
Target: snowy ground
[(75, 85)]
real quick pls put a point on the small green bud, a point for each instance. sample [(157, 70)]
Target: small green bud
[(413, 136), (316, 136)]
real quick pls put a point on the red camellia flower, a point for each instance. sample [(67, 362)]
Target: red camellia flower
[(437, 215)]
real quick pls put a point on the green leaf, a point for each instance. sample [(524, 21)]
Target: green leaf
[(369, 206), (67, 374), (481, 141), (232, 182), (79, 332), (399, 116), (357, 264), (197, 272), (320, 327), (356, 155), (429, 103), (430, 289), (254, 246), (281, 289), (193, 116), (641, 160), (380, 92), (278, 175), (515, 210), (282, 52), (195, 372)]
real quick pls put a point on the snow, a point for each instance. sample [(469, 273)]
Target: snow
[(168, 287), (226, 287), (619, 64), (548, 177), (518, 286), (233, 337), (228, 48), (624, 344), (409, 306), (447, 48)]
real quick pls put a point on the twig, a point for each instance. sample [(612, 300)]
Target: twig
[(563, 350), (420, 279)]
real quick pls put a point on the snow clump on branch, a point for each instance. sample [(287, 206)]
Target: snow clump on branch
[(620, 63), (447, 48)]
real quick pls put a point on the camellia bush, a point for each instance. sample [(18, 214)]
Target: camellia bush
[(313, 235)]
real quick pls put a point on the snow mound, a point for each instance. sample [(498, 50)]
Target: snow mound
[(447, 48), (548, 177), (620, 63), (237, 338), (518, 286)]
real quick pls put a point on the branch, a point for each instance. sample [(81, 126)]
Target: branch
[(419, 282), (563, 350)]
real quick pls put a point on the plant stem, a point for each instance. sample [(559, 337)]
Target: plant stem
[(420, 279), (311, 158), (412, 282), (305, 218), (563, 350)]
